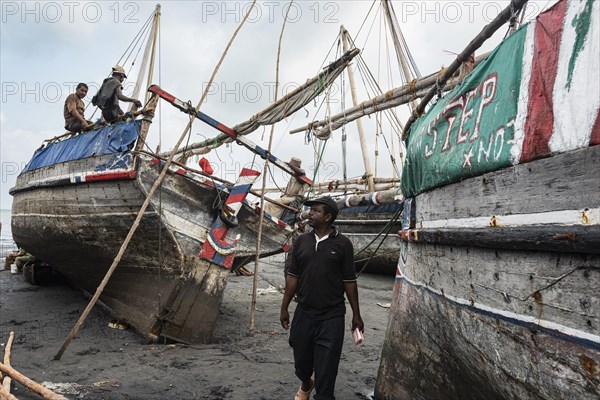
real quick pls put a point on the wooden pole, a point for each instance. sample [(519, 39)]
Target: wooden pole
[(31, 385), (7, 349), (152, 59), (148, 52), (264, 184), (400, 54), (138, 219), (361, 132)]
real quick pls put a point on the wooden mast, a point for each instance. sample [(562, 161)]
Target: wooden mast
[(147, 120), (400, 52), (361, 133), (149, 52)]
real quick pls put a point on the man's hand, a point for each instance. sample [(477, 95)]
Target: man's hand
[(137, 103), (357, 322), (284, 317)]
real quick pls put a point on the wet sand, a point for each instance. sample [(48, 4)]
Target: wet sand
[(108, 363)]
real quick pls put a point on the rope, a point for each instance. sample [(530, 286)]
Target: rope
[(146, 203), (390, 225)]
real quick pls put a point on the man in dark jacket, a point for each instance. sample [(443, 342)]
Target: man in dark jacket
[(321, 270), (109, 95)]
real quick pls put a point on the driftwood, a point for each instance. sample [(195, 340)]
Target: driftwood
[(6, 381), (29, 384), (5, 394)]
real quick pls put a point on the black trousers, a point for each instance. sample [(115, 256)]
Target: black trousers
[(317, 348), (75, 126), (112, 114)]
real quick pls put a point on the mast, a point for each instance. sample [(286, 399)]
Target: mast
[(149, 52), (361, 133), (150, 105), (401, 53)]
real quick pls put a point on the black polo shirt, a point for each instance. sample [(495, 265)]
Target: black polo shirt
[(322, 270)]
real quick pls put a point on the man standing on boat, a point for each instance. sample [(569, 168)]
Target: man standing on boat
[(321, 270), (74, 110), (109, 95), (293, 194)]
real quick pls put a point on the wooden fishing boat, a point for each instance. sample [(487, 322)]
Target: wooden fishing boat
[(74, 213), (497, 291), (77, 199)]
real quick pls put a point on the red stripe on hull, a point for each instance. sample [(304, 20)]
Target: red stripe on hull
[(595, 139), (110, 176), (540, 110)]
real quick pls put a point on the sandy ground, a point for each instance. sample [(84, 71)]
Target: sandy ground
[(108, 363)]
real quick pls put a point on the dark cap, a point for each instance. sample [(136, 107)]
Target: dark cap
[(327, 200)]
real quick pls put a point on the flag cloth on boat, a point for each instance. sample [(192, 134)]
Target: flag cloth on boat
[(537, 94), (108, 140)]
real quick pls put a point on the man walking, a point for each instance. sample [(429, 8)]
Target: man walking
[(321, 270), (74, 109)]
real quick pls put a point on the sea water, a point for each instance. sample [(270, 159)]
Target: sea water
[(7, 244)]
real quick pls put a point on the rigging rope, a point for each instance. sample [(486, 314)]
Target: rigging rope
[(389, 227)]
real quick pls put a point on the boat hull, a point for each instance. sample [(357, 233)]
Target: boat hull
[(160, 287), (500, 312), (374, 237)]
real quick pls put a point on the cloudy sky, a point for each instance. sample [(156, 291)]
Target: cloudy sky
[(48, 47)]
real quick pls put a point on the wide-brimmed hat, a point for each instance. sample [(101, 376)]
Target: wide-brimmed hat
[(327, 200), (296, 162), (117, 69)]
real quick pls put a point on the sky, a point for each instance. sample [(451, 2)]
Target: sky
[(46, 48)]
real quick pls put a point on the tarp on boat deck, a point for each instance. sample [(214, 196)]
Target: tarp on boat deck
[(108, 140), (536, 95)]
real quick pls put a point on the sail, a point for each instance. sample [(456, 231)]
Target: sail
[(284, 107)]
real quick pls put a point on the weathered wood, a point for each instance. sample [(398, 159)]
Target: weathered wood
[(568, 179), (6, 395), (30, 384), (556, 238), (7, 349), (493, 324), (359, 126)]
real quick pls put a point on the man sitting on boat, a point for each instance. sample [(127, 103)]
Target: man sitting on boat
[(74, 110), (109, 95), (293, 195)]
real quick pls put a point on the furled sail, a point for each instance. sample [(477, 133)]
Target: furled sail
[(393, 98), (282, 108)]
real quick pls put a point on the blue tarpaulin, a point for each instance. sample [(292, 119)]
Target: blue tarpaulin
[(108, 140)]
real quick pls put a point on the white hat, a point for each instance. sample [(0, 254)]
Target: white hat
[(117, 69)]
